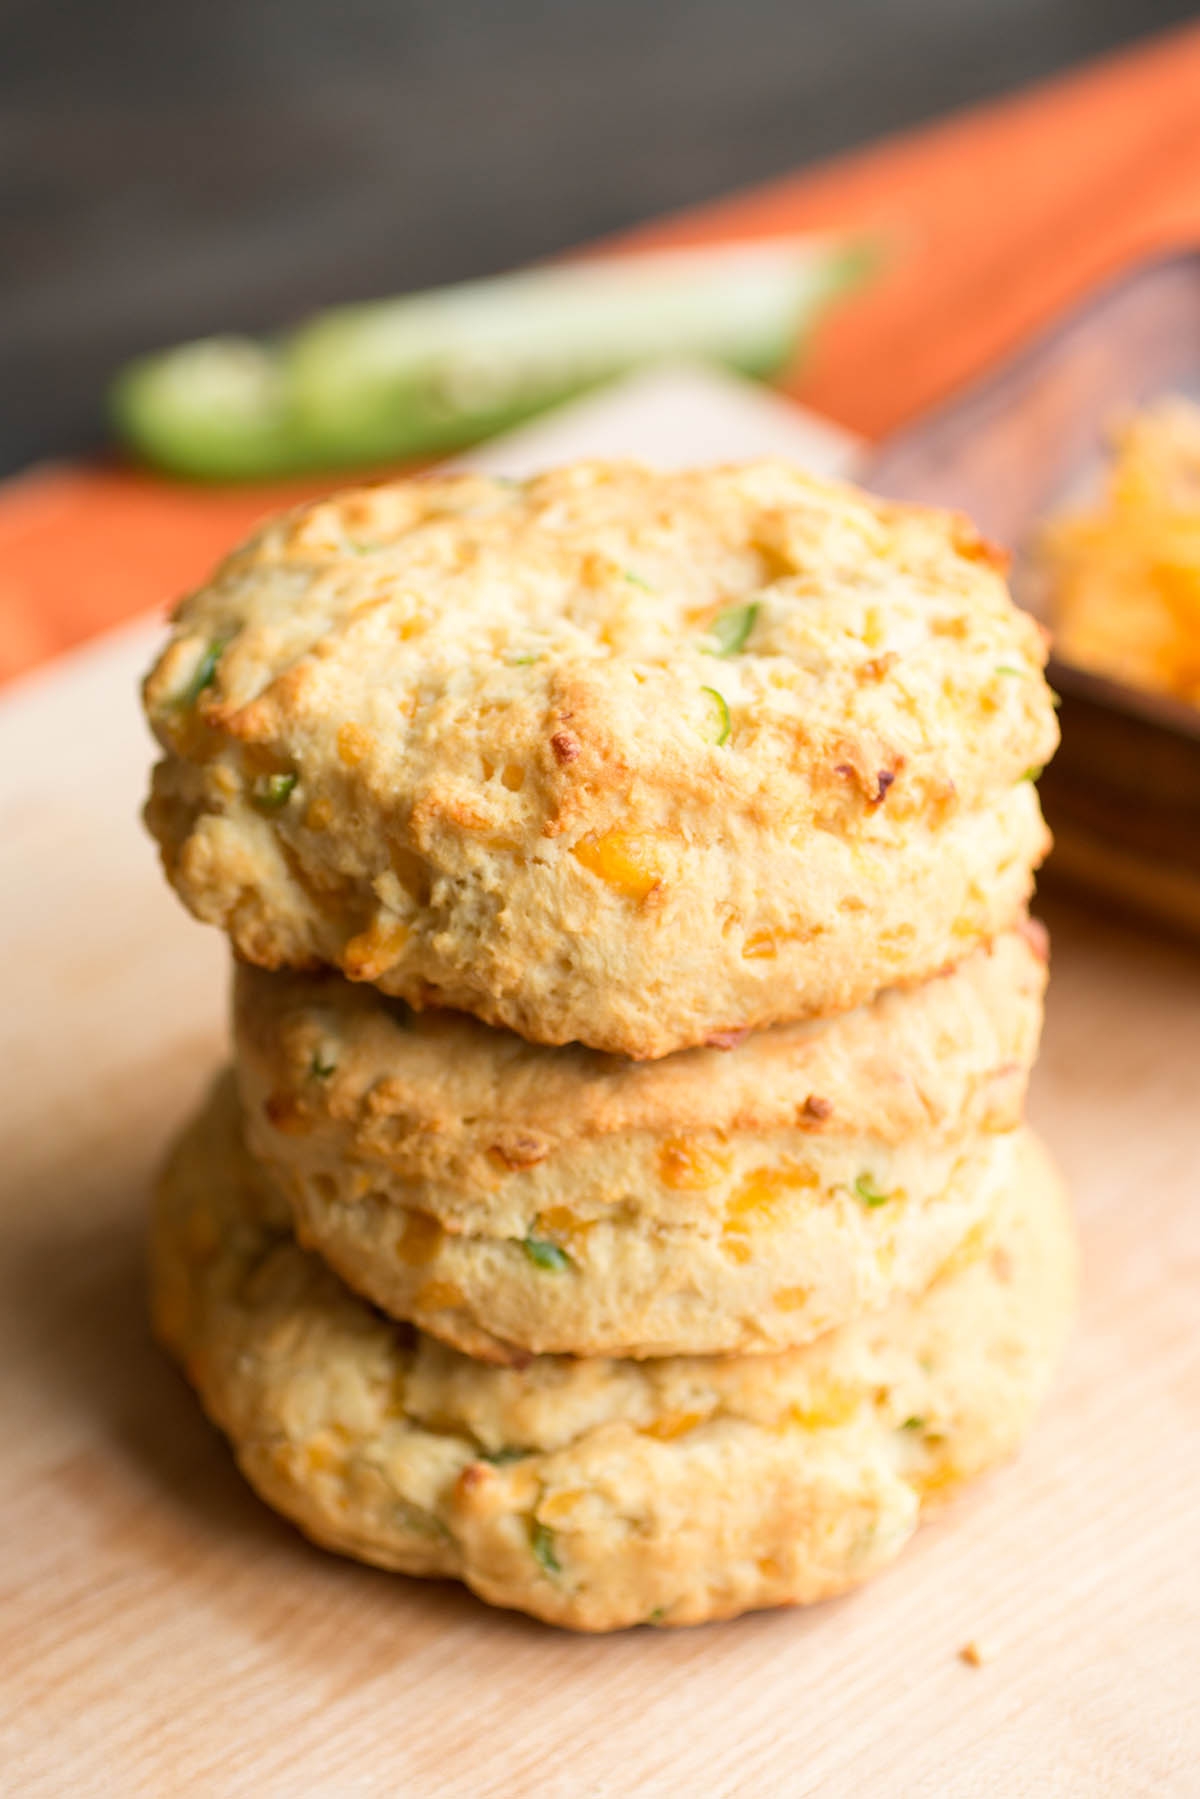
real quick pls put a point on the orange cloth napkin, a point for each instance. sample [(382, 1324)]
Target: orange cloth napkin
[(995, 220)]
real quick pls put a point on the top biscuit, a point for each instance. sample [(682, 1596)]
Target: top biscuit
[(616, 756)]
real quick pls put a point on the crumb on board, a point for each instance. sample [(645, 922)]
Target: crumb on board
[(974, 1653)]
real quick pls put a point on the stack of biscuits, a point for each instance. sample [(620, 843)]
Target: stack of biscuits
[(620, 1198)]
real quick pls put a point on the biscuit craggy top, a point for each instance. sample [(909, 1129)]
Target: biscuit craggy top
[(609, 755)]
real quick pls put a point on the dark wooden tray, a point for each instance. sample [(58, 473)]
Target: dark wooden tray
[(1123, 793)]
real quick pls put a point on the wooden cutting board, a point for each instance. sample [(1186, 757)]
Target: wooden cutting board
[(163, 1634)]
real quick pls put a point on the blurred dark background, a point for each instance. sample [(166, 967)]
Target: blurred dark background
[(173, 167)]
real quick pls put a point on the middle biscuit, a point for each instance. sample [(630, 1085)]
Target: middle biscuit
[(513, 1199)]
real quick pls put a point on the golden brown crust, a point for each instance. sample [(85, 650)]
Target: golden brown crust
[(511, 1198), (441, 1097), (467, 741), (599, 1494)]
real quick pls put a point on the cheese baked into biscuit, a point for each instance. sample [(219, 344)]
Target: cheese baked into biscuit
[(598, 1494), (611, 756), (511, 1198)]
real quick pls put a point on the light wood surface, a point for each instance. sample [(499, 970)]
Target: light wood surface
[(163, 1634)]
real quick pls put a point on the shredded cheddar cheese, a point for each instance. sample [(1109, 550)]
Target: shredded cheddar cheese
[(1124, 576)]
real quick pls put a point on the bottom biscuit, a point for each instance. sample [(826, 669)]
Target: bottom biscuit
[(601, 1493)]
